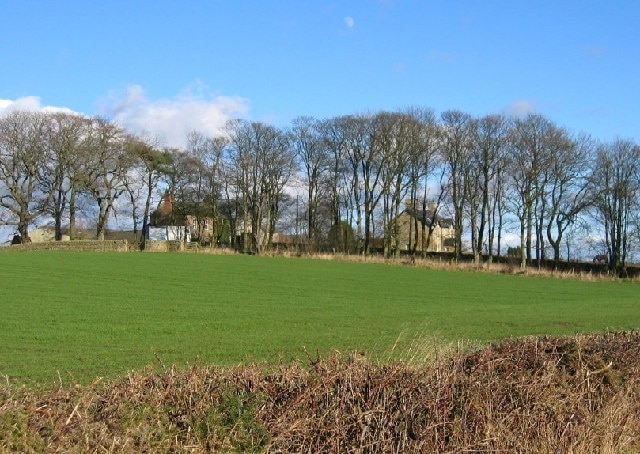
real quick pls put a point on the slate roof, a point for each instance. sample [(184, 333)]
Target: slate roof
[(428, 216)]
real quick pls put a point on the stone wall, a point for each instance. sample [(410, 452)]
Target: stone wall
[(76, 245)]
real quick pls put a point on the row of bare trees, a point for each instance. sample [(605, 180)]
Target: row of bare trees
[(54, 164), (343, 181), (484, 172)]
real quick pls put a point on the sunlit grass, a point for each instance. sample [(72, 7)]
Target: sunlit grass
[(72, 316)]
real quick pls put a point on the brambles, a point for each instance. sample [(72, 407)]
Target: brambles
[(564, 394)]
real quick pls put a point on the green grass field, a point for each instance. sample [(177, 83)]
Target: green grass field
[(73, 316)]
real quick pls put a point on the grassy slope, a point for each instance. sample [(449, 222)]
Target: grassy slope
[(89, 314)]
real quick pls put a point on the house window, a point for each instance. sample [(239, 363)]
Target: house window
[(195, 225), (206, 224)]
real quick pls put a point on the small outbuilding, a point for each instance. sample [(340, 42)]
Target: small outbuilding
[(169, 233)]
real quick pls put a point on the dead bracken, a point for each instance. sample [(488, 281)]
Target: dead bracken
[(565, 394)]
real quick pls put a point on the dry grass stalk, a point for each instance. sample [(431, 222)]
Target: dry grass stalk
[(437, 263)]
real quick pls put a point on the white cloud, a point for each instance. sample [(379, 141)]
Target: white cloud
[(170, 120), (28, 103), (520, 108), (167, 120), (349, 22)]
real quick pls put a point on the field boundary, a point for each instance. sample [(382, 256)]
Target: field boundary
[(540, 394), (570, 270), (76, 245)]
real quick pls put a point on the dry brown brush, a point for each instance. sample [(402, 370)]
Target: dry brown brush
[(570, 394)]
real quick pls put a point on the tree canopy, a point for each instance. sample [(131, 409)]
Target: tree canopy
[(499, 178)]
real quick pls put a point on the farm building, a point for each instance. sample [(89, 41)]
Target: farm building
[(169, 233), (179, 222), (414, 225), (45, 234)]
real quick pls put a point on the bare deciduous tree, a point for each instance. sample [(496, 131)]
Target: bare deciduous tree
[(206, 180), (23, 158), (150, 165), (456, 150), (532, 146), (262, 161), (106, 169), (313, 154), (66, 140), (335, 136), (567, 187), (489, 144), (615, 183)]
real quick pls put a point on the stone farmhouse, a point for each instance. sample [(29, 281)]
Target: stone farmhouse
[(414, 225), (185, 225)]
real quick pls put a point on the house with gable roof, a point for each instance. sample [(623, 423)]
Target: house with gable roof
[(181, 223), (414, 225)]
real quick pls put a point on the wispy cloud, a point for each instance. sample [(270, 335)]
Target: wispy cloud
[(595, 51), (398, 67), (170, 120), (441, 57), (520, 108), (595, 111), (349, 22)]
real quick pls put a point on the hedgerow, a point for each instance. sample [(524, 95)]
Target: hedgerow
[(563, 394)]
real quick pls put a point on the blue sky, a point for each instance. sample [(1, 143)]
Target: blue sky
[(163, 67)]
